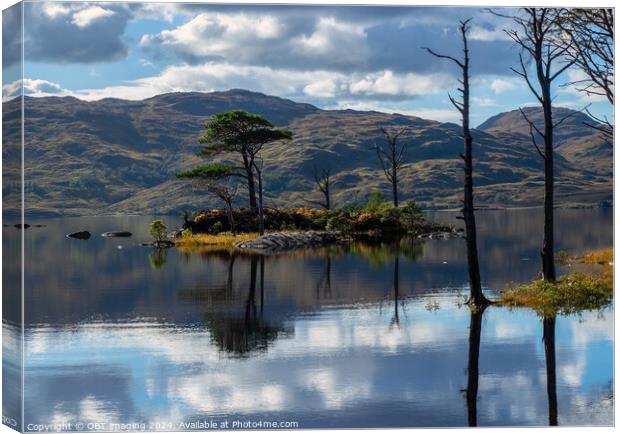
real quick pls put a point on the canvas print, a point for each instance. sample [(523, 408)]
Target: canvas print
[(222, 216)]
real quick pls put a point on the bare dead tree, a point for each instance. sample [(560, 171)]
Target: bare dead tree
[(392, 160), (322, 179), (588, 35), (223, 189), (476, 298), (537, 31)]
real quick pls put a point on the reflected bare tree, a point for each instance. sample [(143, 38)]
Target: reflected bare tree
[(325, 284), (549, 340), (238, 329), (395, 319), (471, 393)]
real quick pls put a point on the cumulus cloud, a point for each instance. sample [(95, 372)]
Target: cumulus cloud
[(478, 33), (11, 35), (483, 102), (315, 86), (500, 85), (235, 37), (345, 41), (388, 83), (437, 114), (322, 88), (85, 17), (75, 32), (576, 81), (31, 87), (272, 39)]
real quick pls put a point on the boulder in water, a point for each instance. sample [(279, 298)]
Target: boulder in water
[(116, 234), (80, 235)]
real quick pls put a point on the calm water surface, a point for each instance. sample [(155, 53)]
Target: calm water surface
[(355, 336)]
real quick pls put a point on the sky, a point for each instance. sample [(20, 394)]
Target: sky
[(335, 57)]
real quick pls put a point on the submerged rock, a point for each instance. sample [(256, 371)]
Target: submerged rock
[(116, 234), (80, 235)]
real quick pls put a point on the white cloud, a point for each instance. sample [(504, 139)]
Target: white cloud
[(53, 10), (32, 87), (478, 33), (410, 84), (578, 79), (436, 114), (86, 17), (332, 35), (292, 83), (323, 89), (501, 85), (484, 102), (217, 34)]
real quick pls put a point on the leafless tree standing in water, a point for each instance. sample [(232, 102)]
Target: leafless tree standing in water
[(476, 298)]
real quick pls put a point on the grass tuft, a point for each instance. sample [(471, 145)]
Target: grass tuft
[(601, 257), (222, 241), (571, 293)]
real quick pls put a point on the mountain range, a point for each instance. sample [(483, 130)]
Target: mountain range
[(116, 156)]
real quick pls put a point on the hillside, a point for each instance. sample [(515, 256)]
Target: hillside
[(118, 156)]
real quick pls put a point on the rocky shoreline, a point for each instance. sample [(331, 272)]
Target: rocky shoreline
[(284, 241)]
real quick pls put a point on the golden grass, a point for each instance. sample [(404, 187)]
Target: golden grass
[(602, 257), (571, 293), (216, 242)]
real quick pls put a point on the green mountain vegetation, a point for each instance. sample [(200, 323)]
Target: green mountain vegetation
[(118, 156)]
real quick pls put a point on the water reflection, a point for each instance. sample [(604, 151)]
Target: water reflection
[(475, 329), (552, 395), (303, 335), (237, 328)]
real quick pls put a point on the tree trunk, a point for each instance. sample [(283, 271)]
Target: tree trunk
[(475, 329), (327, 201), (395, 188), (231, 218), (548, 262), (250, 177), (261, 211), (250, 308), (473, 267), (549, 340)]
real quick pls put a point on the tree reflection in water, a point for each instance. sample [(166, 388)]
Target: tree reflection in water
[(549, 341), (238, 332), (475, 330)]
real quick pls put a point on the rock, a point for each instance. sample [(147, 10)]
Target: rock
[(116, 234), (164, 244), (19, 225), (280, 241), (80, 235)]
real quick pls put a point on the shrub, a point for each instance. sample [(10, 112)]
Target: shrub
[(216, 228), (158, 230), (377, 203), (411, 215), (187, 232), (338, 221)]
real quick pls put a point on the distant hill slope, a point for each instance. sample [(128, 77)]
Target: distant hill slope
[(118, 156)]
